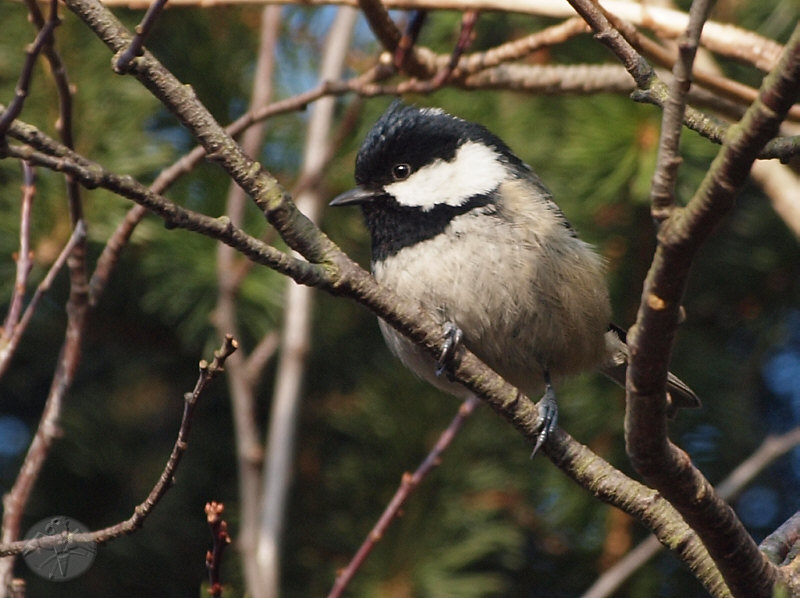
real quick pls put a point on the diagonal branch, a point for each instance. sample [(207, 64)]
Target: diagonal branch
[(43, 38), (181, 100), (92, 175), (408, 483)]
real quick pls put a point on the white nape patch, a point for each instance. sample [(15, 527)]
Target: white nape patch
[(474, 170), (432, 111)]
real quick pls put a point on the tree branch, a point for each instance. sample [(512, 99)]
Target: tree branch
[(242, 381), (143, 29), (408, 484), (11, 343), (296, 329), (24, 265), (662, 189), (208, 371), (93, 175), (662, 464), (721, 38), (220, 540), (43, 37), (772, 448)]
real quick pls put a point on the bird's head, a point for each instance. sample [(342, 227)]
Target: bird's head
[(421, 158)]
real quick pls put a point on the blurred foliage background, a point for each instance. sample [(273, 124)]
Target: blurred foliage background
[(488, 522)]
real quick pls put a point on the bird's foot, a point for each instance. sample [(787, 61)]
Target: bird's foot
[(547, 419), (452, 339)]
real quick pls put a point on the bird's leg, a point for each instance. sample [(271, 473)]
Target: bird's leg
[(547, 420), (452, 339)]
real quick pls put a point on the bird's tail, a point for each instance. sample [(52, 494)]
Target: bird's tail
[(679, 395)]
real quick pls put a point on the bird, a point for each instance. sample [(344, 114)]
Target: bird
[(462, 226)]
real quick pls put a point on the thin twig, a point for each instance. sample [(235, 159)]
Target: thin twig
[(43, 37), (49, 423), (92, 174), (58, 70), (123, 60), (23, 257), (468, 21), (662, 189), (614, 33), (733, 90), (520, 48), (208, 371), (7, 350), (389, 36), (77, 304), (408, 484), (64, 126), (409, 38), (220, 540), (112, 251), (554, 79), (721, 38)]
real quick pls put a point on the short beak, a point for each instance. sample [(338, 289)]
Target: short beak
[(355, 196)]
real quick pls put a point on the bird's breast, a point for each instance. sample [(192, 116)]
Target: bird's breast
[(525, 299)]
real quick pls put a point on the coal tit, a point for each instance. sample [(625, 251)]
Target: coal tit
[(460, 224)]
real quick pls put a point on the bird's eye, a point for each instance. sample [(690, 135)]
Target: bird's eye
[(401, 171)]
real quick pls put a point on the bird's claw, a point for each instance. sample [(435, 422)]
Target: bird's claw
[(547, 420), (452, 339)]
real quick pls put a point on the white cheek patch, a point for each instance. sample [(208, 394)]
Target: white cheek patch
[(474, 170)]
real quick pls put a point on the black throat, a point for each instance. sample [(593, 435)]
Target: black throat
[(394, 227)]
